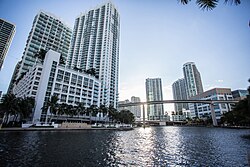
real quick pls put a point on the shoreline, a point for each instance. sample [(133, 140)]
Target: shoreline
[(62, 129)]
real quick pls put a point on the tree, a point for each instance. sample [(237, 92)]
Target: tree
[(125, 116), (210, 4), (112, 112), (16, 107), (80, 109), (52, 105), (26, 106), (91, 71), (40, 55), (61, 60), (9, 106), (239, 115)]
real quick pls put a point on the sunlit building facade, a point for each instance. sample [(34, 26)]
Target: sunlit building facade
[(154, 93), (95, 45), (193, 79), (203, 111), (7, 31), (52, 78)]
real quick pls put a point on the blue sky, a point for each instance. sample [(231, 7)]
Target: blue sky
[(157, 38)]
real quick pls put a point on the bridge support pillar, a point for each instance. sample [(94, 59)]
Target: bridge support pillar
[(143, 115), (213, 115)]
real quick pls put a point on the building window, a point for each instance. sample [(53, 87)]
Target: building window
[(65, 89), (63, 98), (72, 90)]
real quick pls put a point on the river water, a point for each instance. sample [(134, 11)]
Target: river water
[(153, 146)]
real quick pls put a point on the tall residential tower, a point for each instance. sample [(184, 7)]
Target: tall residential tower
[(48, 32), (179, 93), (95, 45), (154, 93), (192, 79), (7, 31)]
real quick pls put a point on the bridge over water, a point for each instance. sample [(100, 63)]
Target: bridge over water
[(210, 102)]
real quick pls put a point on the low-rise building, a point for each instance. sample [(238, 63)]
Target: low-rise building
[(239, 94), (50, 78), (203, 110)]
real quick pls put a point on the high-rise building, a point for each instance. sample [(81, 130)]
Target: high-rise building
[(48, 32), (154, 93), (95, 45), (179, 93), (7, 31), (193, 79)]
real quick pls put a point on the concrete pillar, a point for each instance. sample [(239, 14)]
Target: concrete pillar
[(143, 115), (213, 115)]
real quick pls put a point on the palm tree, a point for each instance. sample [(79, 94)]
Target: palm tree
[(91, 71), (40, 55), (61, 60), (80, 109), (52, 106), (9, 106), (112, 112), (103, 109), (210, 4), (26, 105)]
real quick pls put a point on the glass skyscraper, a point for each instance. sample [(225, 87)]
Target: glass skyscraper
[(95, 45), (154, 93), (7, 31), (180, 93)]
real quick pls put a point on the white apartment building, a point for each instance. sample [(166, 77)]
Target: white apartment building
[(47, 32), (193, 79), (203, 110), (95, 45), (50, 78)]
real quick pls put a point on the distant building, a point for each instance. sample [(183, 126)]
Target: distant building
[(193, 79), (123, 102), (50, 78), (178, 118), (240, 94), (180, 93), (95, 45), (154, 93), (136, 110), (47, 32), (7, 31), (202, 110)]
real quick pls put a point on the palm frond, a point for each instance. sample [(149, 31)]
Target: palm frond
[(207, 4), (236, 2), (184, 2)]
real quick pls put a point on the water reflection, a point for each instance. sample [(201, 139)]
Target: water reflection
[(154, 146)]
